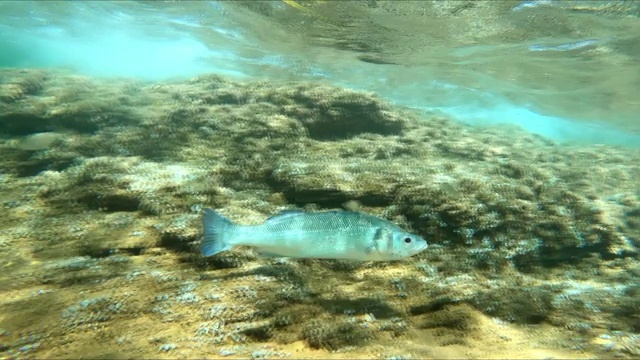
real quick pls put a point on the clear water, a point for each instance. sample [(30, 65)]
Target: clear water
[(534, 247), (567, 70)]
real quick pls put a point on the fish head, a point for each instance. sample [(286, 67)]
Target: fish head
[(396, 244), (406, 244)]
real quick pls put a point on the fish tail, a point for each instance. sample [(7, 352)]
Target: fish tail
[(216, 229)]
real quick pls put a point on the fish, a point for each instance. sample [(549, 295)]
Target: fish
[(336, 234)]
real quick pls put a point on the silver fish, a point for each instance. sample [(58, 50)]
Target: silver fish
[(321, 235)]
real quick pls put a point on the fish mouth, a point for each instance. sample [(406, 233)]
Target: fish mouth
[(425, 246)]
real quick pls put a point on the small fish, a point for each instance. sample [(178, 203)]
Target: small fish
[(345, 235)]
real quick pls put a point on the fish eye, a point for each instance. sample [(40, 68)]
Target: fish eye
[(407, 240)]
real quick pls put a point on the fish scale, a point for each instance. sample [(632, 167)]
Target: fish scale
[(322, 235), (314, 234)]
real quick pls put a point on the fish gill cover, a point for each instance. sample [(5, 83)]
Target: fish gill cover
[(103, 183)]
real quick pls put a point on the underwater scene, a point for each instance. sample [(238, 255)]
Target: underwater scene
[(306, 179)]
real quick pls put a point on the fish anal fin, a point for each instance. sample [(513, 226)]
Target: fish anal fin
[(267, 254)]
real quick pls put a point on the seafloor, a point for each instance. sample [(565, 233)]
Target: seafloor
[(534, 245)]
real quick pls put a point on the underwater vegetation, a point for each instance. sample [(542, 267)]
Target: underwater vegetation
[(103, 184)]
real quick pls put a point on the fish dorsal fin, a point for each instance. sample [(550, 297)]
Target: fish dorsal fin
[(285, 213)]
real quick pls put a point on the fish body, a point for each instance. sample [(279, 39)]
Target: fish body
[(346, 235)]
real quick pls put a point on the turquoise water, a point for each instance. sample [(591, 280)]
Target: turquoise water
[(568, 71), (107, 162)]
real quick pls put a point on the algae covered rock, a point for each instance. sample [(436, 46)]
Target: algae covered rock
[(502, 198), (103, 184)]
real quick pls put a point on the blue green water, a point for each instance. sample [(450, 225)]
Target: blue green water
[(566, 70), (108, 160)]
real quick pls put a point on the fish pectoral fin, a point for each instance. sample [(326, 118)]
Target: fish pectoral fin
[(371, 249)]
